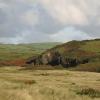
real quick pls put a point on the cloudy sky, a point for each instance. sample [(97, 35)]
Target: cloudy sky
[(24, 21)]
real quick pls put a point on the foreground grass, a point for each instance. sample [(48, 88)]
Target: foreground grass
[(19, 84)]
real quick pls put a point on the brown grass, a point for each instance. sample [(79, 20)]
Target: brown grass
[(19, 84)]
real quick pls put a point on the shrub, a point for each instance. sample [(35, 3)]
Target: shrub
[(89, 92)]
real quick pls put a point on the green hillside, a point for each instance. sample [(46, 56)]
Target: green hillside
[(81, 51), (22, 51)]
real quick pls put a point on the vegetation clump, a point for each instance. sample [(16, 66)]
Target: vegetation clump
[(89, 92)]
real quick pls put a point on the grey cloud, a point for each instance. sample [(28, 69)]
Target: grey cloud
[(10, 23), (52, 16), (89, 9), (46, 23), (10, 19)]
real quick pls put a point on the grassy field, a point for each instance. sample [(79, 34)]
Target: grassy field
[(22, 51), (16, 83), (11, 54)]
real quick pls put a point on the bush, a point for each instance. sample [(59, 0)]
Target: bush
[(89, 92)]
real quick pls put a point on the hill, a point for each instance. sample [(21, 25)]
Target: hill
[(11, 54), (74, 55)]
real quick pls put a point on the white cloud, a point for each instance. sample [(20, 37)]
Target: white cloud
[(2, 5), (66, 11), (30, 18), (48, 20), (68, 34)]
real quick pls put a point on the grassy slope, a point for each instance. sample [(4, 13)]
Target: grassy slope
[(14, 54), (76, 48), (80, 50), (92, 47), (23, 51), (20, 84)]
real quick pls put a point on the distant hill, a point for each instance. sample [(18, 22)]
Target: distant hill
[(12, 54), (74, 55), (79, 49)]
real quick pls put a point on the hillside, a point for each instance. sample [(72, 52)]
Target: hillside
[(11, 54), (78, 48), (83, 54)]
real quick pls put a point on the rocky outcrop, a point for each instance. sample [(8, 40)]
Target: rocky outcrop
[(51, 58), (69, 62), (36, 60), (54, 58), (70, 54)]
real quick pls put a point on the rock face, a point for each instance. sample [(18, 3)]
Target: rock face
[(37, 60), (69, 62), (54, 58), (51, 58)]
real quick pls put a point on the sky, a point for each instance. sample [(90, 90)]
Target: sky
[(28, 21)]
